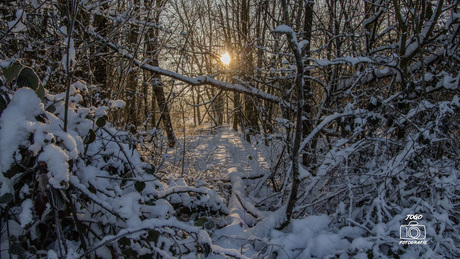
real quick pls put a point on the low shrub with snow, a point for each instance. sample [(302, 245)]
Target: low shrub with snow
[(85, 191)]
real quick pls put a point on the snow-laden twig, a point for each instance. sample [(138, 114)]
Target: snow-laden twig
[(299, 88)]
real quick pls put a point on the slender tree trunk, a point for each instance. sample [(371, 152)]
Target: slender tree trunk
[(237, 111), (131, 80), (250, 110), (299, 87), (157, 85), (100, 63), (307, 107)]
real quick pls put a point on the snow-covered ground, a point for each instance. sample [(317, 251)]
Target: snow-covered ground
[(250, 230), (217, 151)]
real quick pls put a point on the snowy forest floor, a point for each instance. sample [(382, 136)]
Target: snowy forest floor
[(226, 161), (223, 160), (209, 154)]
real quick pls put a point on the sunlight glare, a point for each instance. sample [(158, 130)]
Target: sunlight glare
[(225, 58)]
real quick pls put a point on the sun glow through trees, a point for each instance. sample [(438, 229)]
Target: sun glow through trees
[(225, 58)]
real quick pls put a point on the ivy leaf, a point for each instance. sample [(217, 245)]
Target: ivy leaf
[(51, 108), (12, 72), (90, 138), (28, 78), (150, 170), (40, 91), (124, 241), (4, 99), (209, 224), (140, 186), (92, 189), (200, 222), (101, 121), (32, 250), (5, 198), (206, 249), (153, 236), (16, 249)]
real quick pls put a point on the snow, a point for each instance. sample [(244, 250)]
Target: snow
[(309, 235), (58, 170), (215, 194), (116, 104), (454, 18), (240, 228), (283, 29), (449, 82), (16, 123), (246, 230), (69, 55), (26, 214), (17, 25), (303, 43), (347, 59), (63, 30)]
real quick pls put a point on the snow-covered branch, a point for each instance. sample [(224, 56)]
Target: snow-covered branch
[(194, 81)]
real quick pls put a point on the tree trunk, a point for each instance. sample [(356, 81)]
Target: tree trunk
[(157, 85), (307, 108), (250, 110)]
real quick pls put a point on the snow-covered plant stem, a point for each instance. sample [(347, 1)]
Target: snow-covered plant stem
[(299, 84), (70, 54)]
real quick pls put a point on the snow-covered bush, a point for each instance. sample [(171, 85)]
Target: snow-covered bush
[(85, 191), (371, 180)]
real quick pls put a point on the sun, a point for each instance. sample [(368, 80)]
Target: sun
[(225, 58)]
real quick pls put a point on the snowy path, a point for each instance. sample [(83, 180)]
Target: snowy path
[(213, 154)]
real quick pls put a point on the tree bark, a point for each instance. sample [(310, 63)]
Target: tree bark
[(157, 85), (299, 87), (307, 108)]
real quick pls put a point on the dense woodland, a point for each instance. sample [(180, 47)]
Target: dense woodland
[(356, 101)]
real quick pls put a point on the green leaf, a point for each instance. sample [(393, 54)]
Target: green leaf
[(150, 170), (206, 223), (124, 241), (12, 72), (41, 118), (51, 108), (133, 130), (40, 91), (153, 236), (32, 250), (2, 105), (200, 222), (209, 224), (140, 186), (16, 249), (129, 253), (92, 189), (28, 78), (5, 198), (90, 138), (206, 249), (3, 101), (101, 121)]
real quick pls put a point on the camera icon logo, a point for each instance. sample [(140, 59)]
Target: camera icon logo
[(412, 231)]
